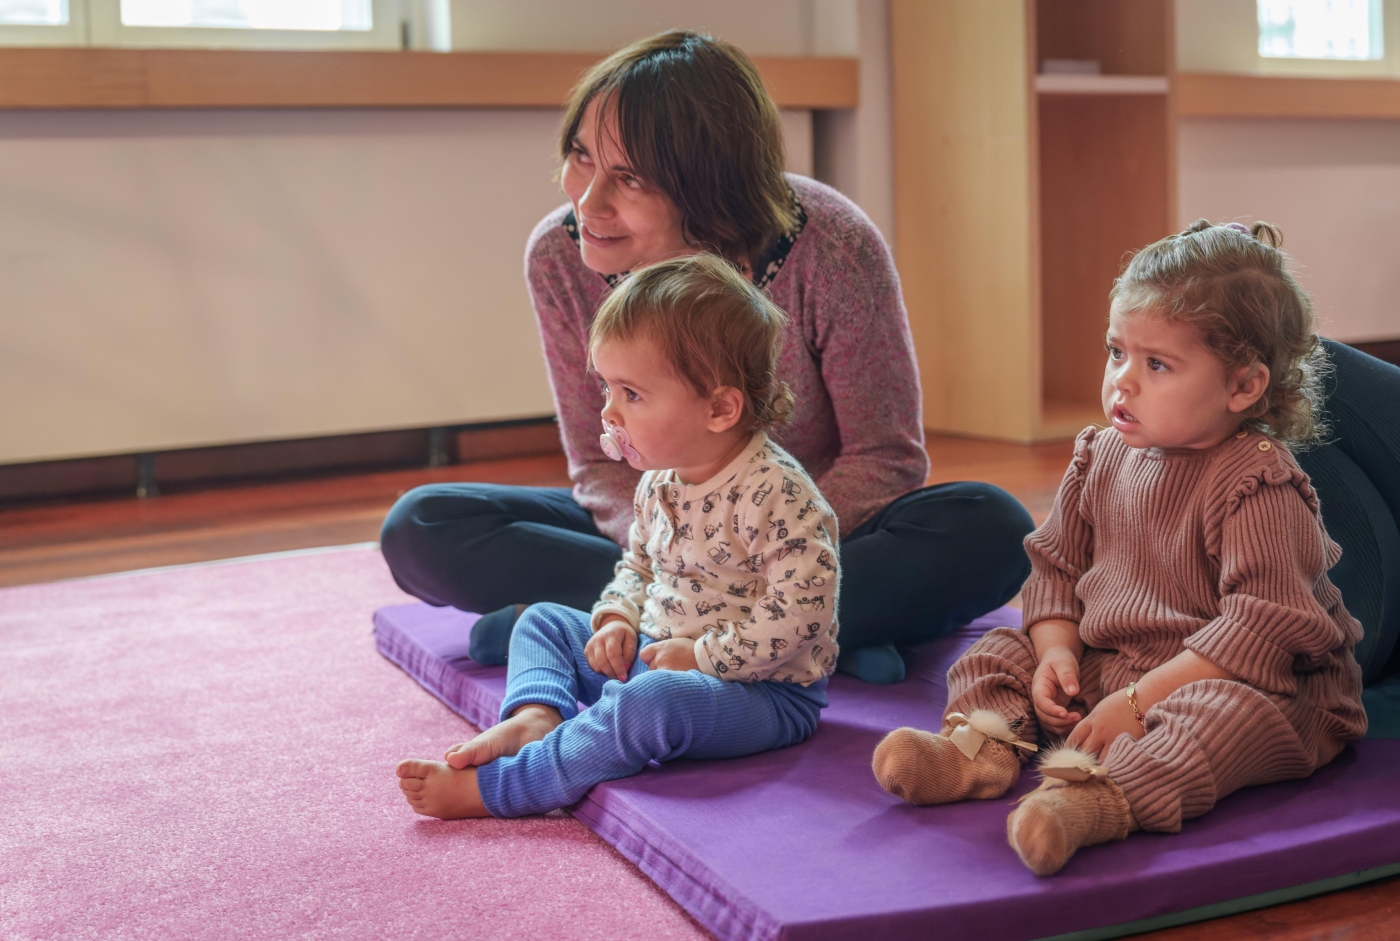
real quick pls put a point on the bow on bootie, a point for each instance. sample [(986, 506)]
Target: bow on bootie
[(971, 732), (617, 444)]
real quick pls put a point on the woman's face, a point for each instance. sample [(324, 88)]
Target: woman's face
[(623, 221)]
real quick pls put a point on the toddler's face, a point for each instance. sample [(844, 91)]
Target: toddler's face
[(669, 424), (1162, 387)]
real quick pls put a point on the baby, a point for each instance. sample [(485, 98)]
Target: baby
[(717, 634), (1181, 628)]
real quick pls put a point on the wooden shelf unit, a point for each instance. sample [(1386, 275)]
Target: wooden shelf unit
[(1020, 197)]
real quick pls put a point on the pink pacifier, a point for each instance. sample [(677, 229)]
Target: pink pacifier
[(616, 444)]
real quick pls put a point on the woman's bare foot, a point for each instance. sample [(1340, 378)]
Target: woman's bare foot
[(527, 724), (435, 790)]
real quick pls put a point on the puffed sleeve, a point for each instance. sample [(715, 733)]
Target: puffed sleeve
[(1274, 557), (1061, 549)]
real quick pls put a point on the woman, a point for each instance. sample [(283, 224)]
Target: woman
[(672, 146)]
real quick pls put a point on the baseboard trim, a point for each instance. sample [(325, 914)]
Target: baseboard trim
[(191, 468)]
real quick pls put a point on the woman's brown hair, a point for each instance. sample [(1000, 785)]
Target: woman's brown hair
[(697, 124), (713, 326), (1234, 284)]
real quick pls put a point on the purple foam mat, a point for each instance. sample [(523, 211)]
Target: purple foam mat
[(803, 844)]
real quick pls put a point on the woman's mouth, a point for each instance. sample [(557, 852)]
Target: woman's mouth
[(598, 240)]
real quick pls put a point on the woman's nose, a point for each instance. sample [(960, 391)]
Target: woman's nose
[(596, 199)]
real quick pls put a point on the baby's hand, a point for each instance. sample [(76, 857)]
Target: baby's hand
[(678, 653), (611, 648), (1105, 722), (1055, 683)]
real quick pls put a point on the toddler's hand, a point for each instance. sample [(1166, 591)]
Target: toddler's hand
[(611, 648), (1055, 683), (1105, 722), (678, 653)]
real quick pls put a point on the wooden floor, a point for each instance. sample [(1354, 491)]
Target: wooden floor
[(47, 542)]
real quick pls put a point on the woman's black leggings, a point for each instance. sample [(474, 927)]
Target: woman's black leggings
[(926, 564)]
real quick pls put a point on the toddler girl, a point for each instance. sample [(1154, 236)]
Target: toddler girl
[(718, 631), (1181, 628)]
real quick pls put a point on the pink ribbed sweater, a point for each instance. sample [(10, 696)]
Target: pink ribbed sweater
[(1221, 551), (848, 356)]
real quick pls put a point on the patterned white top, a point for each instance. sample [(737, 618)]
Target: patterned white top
[(746, 563)]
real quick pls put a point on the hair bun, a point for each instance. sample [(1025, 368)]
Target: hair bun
[(1268, 233)]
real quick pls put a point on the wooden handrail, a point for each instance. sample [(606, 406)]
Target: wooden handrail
[(210, 78), (1221, 95)]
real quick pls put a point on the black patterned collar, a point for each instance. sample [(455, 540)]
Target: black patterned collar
[(769, 264)]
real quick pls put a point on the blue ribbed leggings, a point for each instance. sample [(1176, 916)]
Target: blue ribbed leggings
[(656, 715)]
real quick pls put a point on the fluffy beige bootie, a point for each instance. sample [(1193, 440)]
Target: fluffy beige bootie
[(1076, 806), (923, 768)]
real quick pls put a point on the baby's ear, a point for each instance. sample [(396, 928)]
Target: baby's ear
[(1249, 385), (726, 408)]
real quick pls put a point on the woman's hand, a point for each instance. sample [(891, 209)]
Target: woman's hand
[(611, 648), (1105, 722), (678, 653), (1055, 683)]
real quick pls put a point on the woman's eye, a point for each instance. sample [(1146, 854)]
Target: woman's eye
[(579, 154), (631, 182)]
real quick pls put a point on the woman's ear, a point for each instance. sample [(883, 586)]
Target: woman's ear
[(726, 409), (1248, 385)]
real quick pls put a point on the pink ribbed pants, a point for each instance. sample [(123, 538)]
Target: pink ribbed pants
[(1204, 741)]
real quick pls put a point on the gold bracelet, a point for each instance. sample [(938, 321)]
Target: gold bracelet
[(1132, 704)]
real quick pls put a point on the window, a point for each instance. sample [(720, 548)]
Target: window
[(267, 24), (250, 14), (42, 22), (34, 12), (1320, 29)]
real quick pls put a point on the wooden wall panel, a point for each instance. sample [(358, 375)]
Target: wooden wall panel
[(965, 210)]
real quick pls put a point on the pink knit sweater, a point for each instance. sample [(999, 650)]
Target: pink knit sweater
[(848, 356), (1221, 551)]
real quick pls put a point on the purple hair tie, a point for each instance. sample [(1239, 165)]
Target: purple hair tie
[(1238, 227)]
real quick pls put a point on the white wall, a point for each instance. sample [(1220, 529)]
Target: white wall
[(1334, 189), (174, 279), (1333, 186)]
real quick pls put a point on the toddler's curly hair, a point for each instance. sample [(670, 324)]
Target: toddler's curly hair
[(714, 326), (1233, 283)]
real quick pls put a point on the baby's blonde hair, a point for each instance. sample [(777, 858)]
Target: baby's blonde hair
[(1232, 282), (712, 324)]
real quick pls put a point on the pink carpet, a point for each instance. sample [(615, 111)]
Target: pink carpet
[(208, 753)]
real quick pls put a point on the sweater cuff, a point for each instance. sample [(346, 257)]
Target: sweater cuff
[(603, 610), (1044, 599), (703, 659), (1231, 646)]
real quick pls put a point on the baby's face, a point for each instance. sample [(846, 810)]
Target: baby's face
[(669, 424), (1162, 387)]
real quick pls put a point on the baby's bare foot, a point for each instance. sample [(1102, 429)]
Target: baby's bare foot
[(527, 724), (435, 790)]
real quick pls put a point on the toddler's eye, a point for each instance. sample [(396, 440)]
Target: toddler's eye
[(631, 396), (1114, 353), (1156, 365)]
